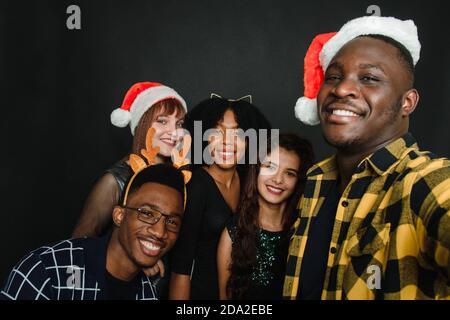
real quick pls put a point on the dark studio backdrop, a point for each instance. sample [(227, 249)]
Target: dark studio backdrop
[(59, 86)]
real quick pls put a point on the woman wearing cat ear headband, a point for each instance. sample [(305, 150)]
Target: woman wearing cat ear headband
[(213, 192)]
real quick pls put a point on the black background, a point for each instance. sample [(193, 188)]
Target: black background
[(59, 86)]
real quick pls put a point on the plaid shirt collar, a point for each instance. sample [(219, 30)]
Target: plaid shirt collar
[(380, 161), (363, 227)]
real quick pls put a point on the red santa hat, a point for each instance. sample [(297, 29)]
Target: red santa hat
[(138, 99), (325, 46)]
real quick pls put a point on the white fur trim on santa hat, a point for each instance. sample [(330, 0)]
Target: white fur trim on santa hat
[(120, 118), (404, 32), (148, 98), (306, 111)]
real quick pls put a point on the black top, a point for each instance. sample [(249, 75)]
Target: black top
[(267, 279), (314, 264), (195, 251), (121, 172), (117, 289)]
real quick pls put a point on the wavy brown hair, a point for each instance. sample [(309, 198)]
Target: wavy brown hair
[(243, 256)]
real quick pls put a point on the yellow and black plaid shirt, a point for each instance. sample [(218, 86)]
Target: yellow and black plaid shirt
[(393, 220)]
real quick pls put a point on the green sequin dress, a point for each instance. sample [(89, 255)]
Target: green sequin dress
[(267, 278)]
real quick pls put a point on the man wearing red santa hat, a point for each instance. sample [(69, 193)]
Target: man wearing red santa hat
[(374, 218)]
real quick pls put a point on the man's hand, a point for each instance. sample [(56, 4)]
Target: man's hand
[(157, 268)]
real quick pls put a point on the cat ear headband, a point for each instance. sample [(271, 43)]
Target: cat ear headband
[(247, 98)]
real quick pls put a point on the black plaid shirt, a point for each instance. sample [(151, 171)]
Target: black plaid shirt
[(391, 237), (69, 270)]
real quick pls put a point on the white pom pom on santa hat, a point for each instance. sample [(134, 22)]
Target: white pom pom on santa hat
[(324, 47), (306, 107), (120, 118), (306, 111)]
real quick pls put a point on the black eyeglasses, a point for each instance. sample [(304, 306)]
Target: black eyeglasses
[(152, 216)]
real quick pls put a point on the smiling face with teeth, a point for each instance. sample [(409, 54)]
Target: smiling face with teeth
[(138, 244), (226, 146), (168, 131), (366, 97), (278, 176), (167, 118)]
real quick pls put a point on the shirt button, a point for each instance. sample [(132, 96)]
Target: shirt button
[(333, 250), (344, 204)]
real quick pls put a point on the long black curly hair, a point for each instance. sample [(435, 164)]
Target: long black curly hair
[(211, 111), (243, 256)]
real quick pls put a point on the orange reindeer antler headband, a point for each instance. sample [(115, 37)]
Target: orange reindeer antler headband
[(138, 164)]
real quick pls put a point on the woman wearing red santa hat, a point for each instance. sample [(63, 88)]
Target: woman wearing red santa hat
[(146, 105)]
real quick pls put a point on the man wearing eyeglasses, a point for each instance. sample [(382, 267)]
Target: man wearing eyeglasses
[(109, 268)]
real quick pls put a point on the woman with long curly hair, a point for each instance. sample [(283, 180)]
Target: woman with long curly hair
[(253, 247), (213, 192)]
